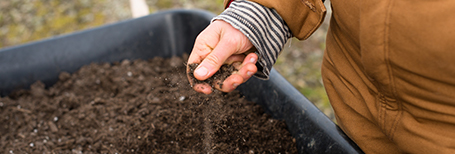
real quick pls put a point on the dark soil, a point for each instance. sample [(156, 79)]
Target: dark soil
[(217, 79), (135, 107)]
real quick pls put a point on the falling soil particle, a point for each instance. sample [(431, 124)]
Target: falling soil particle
[(135, 107)]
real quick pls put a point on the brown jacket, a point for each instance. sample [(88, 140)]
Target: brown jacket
[(389, 69), (303, 17)]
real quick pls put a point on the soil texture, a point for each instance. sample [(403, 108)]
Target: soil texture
[(135, 107)]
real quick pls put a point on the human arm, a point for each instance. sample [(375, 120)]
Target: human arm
[(264, 29)]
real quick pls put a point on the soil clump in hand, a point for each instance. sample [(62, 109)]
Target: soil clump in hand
[(135, 107), (217, 79)]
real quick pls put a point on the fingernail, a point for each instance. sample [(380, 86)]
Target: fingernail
[(201, 71), (249, 73), (253, 60), (235, 85)]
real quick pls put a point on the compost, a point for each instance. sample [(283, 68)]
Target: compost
[(135, 107)]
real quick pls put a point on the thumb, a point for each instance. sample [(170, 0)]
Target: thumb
[(214, 60)]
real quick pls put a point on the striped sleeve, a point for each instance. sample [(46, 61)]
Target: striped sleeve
[(266, 30)]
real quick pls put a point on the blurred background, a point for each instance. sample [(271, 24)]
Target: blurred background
[(23, 21)]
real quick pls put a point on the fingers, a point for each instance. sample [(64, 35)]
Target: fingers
[(204, 45), (215, 59), (230, 83), (246, 71), (235, 58), (205, 42), (203, 88)]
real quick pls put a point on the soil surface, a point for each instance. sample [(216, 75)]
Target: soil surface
[(135, 107)]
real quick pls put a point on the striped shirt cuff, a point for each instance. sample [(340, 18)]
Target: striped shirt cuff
[(263, 26)]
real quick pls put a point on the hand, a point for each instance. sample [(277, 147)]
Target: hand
[(219, 44)]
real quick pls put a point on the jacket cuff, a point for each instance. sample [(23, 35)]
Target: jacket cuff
[(263, 26)]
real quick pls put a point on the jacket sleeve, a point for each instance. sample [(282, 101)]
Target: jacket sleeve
[(303, 17)]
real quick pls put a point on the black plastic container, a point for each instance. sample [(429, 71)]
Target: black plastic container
[(165, 34)]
